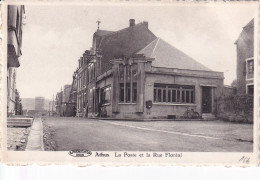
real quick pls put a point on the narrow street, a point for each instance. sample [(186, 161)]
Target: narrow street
[(186, 136)]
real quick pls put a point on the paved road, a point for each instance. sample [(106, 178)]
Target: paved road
[(191, 136)]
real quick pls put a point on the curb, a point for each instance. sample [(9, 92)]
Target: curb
[(35, 145), (144, 120)]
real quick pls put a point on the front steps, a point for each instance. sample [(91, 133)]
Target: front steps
[(208, 116)]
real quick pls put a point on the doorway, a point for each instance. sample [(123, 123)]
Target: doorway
[(206, 99), (97, 100)]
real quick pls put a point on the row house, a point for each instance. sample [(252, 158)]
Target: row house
[(15, 21), (62, 103), (18, 104), (131, 73), (245, 60)]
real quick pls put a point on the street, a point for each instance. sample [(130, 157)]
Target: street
[(187, 136)]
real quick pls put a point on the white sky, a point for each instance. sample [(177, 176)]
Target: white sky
[(55, 37)]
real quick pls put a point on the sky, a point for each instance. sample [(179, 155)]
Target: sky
[(55, 37)]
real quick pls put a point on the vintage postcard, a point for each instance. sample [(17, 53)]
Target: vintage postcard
[(130, 83)]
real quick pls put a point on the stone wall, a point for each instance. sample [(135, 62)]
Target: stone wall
[(235, 108)]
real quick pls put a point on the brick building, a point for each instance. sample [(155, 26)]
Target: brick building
[(39, 104), (62, 101), (58, 103), (15, 17), (245, 60), (131, 73)]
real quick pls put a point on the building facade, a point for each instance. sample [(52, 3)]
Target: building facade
[(131, 73), (245, 60), (18, 104), (39, 104), (58, 103), (63, 107), (14, 45)]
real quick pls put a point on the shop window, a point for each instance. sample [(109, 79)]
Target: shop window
[(174, 96), (122, 99), (128, 92), (159, 95), (169, 95), (173, 93)]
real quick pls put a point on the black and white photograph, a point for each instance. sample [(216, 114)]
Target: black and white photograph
[(90, 79)]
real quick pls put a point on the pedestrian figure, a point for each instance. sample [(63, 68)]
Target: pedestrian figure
[(84, 112)]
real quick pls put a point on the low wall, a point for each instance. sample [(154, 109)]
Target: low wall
[(235, 108)]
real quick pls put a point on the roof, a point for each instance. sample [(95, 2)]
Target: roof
[(102, 32), (246, 29), (168, 56), (125, 42)]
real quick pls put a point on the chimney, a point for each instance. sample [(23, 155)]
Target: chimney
[(131, 22), (146, 24)]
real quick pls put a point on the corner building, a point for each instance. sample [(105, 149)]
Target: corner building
[(15, 22), (131, 73), (245, 60)]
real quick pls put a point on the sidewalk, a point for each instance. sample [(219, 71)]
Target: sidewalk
[(35, 139)]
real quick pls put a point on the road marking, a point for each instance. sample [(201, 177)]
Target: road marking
[(164, 131)]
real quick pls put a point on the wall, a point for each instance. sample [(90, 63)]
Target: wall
[(235, 108), (106, 81), (11, 86), (163, 109)]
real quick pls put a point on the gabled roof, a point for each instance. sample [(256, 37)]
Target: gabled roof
[(102, 32), (246, 29), (168, 56), (125, 42)]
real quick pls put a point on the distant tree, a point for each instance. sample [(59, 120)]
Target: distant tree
[(234, 83)]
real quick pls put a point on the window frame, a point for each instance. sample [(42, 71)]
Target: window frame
[(127, 84), (176, 93), (103, 95), (249, 66)]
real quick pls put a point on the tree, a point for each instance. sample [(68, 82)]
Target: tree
[(234, 83)]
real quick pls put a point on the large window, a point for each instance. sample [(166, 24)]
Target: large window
[(91, 72), (128, 83), (169, 93), (106, 95)]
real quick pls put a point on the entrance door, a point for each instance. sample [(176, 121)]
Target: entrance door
[(206, 100)]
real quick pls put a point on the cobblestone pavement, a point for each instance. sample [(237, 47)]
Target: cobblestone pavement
[(17, 138), (185, 136)]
